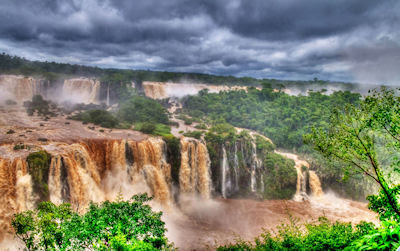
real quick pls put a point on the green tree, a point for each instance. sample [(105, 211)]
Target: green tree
[(142, 109), (121, 225), (367, 139)]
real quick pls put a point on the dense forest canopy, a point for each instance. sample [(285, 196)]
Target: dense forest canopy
[(277, 115)]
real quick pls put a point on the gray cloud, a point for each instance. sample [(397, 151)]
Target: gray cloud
[(339, 40)]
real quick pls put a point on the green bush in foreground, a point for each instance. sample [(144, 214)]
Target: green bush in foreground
[(121, 225), (320, 235), (386, 237)]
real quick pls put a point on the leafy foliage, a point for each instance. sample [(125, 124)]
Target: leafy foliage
[(142, 109), (97, 117), (281, 177), (173, 156), (194, 134), (319, 235), (41, 106), (121, 225), (386, 237), (366, 138), (38, 168), (281, 117)]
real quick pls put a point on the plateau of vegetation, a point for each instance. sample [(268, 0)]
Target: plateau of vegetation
[(141, 113), (282, 118), (277, 115)]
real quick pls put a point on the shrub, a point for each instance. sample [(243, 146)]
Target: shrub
[(10, 102), (201, 127), (194, 134), (186, 119), (20, 146), (142, 109), (41, 106), (162, 130), (121, 225), (98, 117), (147, 128), (174, 123), (386, 237), (320, 235), (263, 145), (11, 131)]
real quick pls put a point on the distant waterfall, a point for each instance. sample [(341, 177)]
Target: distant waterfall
[(224, 170), (255, 164), (20, 88), (262, 183), (81, 90), (108, 95), (236, 168)]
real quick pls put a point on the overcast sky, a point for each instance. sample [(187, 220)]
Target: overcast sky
[(343, 40)]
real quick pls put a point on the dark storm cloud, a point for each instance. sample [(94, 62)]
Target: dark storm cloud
[(339, 40)]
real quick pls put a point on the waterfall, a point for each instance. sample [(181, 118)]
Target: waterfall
[(194, 174), (16, 192), (315, 184), (301, 190), (108, 95), (19, 88), (301, 185), (236, 168), (254, 165), (224, 170), (262, 183), (81, 90), (100, 170), (154, 90)]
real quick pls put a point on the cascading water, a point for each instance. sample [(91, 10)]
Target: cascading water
[(315, 184), (301, 190), (194, 174), (302, 167), (255, 164), (97, 170), (108, 95), (236, 168), (224, 170), (81, 90), (16, 191), (20, 88)]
